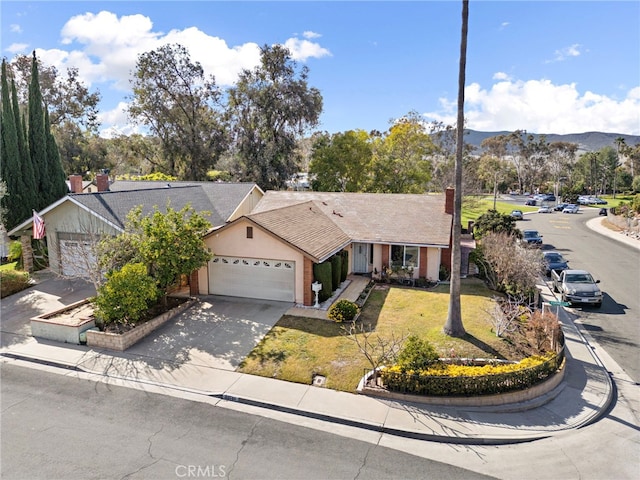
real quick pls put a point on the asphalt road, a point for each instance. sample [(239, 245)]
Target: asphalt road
[(61, 427), (616, 325)]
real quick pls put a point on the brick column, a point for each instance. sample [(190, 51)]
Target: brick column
[(309, 297), (27, 253)]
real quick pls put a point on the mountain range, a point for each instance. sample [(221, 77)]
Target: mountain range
[(587, 142)]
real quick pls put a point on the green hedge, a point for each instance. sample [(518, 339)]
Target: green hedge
[(322, 274), (13, 281), (435, 385), (345, 265), (336, 268)]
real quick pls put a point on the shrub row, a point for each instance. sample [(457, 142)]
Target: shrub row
[(442, 379), (13, 281)]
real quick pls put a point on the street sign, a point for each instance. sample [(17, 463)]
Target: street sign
[(555, 303)]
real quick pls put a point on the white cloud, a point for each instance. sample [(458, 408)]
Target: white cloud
[(564, 53), (15, 28), (303, 49), (105, 48), (539, 106), (16, 48), (501, 76)]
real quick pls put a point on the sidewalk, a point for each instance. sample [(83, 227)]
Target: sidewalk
[(579, 400), (595, 224)]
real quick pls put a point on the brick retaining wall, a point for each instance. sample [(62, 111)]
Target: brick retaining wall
[(122, 341)]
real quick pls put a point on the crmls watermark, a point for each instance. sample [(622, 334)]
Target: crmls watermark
[(201, 471)]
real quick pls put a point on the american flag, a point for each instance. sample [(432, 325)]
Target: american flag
[(38, 226)]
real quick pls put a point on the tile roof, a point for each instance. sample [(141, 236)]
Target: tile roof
[(373, 217), (306, 227)]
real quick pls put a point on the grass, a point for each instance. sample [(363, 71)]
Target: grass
[(473, 207), (296, 348)]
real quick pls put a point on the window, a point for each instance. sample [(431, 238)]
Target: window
[(249, 232), (404, 256)]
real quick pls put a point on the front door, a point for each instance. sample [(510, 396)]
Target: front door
[(360, 257)]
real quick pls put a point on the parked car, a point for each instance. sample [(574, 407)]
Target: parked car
[(517, 215), (571, 208), (532, 238), (554, 261), (545, 209), (577, 286), (560, 207), (531, 202), (602, 211), (598, 201)]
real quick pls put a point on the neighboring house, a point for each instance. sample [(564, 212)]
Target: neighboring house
[(75, 222), (270, 253)]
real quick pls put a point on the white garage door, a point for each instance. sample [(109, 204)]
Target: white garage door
[(76, 258), (252, 277)]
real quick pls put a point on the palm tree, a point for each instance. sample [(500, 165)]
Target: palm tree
[(454, 326), (620, 144)]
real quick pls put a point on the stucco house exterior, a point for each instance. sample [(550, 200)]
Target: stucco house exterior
[(270, 252), (75, 222)]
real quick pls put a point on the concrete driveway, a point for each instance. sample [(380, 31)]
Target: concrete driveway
[(49, 293), (217, 332)]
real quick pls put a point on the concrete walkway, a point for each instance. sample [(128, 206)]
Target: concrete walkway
[(582, 398)]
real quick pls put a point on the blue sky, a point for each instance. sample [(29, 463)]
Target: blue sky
[(543, 66)]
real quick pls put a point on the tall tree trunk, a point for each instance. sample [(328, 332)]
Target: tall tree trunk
[(454, 326)]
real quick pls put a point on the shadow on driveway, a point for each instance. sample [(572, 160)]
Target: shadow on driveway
[(216, 332)]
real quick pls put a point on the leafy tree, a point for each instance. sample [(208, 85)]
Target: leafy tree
[(562, 156), (401, 162), (170, 244), (270, 108), (340, 162), (444, 138), (493, 170), (494, 222), (454, 326), (172, 97), (68, 99)]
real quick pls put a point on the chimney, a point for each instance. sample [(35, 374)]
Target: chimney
[(448, 200), (75, 183), (102, 182)]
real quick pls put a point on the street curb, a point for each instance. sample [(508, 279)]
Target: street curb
[(303, 413)]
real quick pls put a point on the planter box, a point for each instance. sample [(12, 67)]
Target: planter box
[(122, 341), (66, 324)]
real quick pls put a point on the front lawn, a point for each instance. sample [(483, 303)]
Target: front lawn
[(473, 207), (296, 348)]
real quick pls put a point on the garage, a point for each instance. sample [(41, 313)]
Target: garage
[(265, 279), (76, 258)]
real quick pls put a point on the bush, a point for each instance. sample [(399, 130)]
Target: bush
[(465, 380), (417, 354), (345, 266), (15, 253), (343, 311), (13, 281), (322, 274), (126, 295), (336, 269)]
